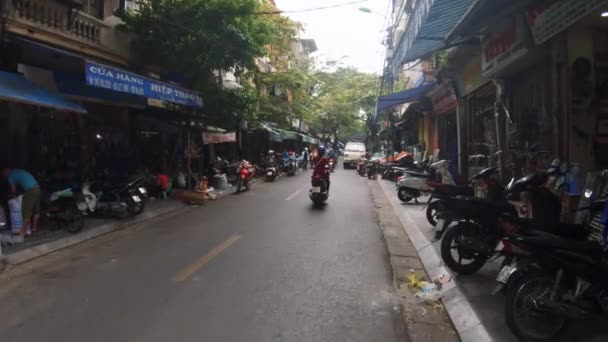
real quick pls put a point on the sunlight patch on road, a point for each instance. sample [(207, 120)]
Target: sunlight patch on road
[(198, 264)]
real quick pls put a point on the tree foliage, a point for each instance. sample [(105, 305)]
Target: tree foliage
[(198, 38), (346, 100)]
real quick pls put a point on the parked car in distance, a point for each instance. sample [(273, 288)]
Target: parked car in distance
[(353, 153)]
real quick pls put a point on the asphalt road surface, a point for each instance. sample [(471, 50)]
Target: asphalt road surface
[(260, 266)]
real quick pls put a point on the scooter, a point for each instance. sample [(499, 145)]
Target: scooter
[(319, 193), (290, 166), (61, 208), (444, 192), (271, 173), (122, 201), (362, 167), (413, 184)]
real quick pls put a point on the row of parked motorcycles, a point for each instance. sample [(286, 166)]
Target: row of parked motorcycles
[(551, 272), (68, 206)]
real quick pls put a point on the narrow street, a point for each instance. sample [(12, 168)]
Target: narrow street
[(260, 266)]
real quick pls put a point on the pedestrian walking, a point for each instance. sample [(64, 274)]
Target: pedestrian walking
[(305, 158)]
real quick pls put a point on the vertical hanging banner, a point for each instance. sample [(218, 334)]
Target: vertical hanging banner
[(549, 20), (102, 76)]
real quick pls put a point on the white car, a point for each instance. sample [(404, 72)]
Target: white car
[(353, 153)]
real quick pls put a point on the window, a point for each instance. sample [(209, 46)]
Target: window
[(131, 5), (93, 8)]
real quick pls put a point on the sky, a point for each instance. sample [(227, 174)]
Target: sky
[(343, 33)]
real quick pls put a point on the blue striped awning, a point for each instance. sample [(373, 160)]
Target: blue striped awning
[(428, 28), (14, 87), (404, 96)]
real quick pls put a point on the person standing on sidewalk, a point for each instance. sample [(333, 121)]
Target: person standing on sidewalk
[(30, 205), (305, 158)]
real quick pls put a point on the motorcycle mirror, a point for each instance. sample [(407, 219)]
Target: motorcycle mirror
[(588, 193)]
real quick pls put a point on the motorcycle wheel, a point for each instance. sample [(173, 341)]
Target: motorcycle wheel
[(74, 221), (523, 319), (452, 243), (431, 212), (239, 185), (404, 195), (135, 209)]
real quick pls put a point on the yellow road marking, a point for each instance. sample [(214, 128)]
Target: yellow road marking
[(189, 270)]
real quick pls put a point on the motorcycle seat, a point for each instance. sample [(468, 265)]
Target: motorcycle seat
[(588, 247), (417, 174), (565, 230), (452, 190)]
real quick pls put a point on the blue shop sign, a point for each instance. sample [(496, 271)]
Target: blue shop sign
[(106, 77)]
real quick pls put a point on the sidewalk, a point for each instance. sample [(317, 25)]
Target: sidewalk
[(425, 321), (48, 241), (477, 314), (466, 298)]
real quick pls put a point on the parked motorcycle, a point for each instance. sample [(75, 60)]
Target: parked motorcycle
[(245, 172), (371, 167), (61, 208), (444, 192), (482, 224), (106, 200), (412, 184), (362, 168), (560, 280), (271, 173)]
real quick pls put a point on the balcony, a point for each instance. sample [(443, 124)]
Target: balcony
[(53, 22)]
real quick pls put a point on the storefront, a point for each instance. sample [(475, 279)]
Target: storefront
[(444, 102)]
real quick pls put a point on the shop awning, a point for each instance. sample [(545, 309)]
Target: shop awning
[(308, 139), (273, 133), (405, 96), (14, 87), (287, 135), (428, 28)]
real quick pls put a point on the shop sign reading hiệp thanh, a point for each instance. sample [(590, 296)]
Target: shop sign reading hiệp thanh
[(102, 76)]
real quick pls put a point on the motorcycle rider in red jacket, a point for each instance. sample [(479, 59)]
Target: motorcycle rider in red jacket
[(320, 166)]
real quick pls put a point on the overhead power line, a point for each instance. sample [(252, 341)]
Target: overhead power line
[(310, 9)]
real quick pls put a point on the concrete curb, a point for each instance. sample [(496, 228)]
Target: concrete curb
[(465, 319), (423, 322), (53, 246)]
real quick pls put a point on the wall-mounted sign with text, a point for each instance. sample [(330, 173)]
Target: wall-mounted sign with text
[(102, 76), (503, 47), (444, 100)]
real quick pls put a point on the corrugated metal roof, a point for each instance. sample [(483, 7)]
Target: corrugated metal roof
[(430, 24)]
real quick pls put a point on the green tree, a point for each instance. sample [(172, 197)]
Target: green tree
[(198, 38), (346, 101)]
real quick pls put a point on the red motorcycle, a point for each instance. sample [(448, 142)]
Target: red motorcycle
[(245, 172)]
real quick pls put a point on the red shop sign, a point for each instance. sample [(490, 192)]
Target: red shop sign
[(444, 99)]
